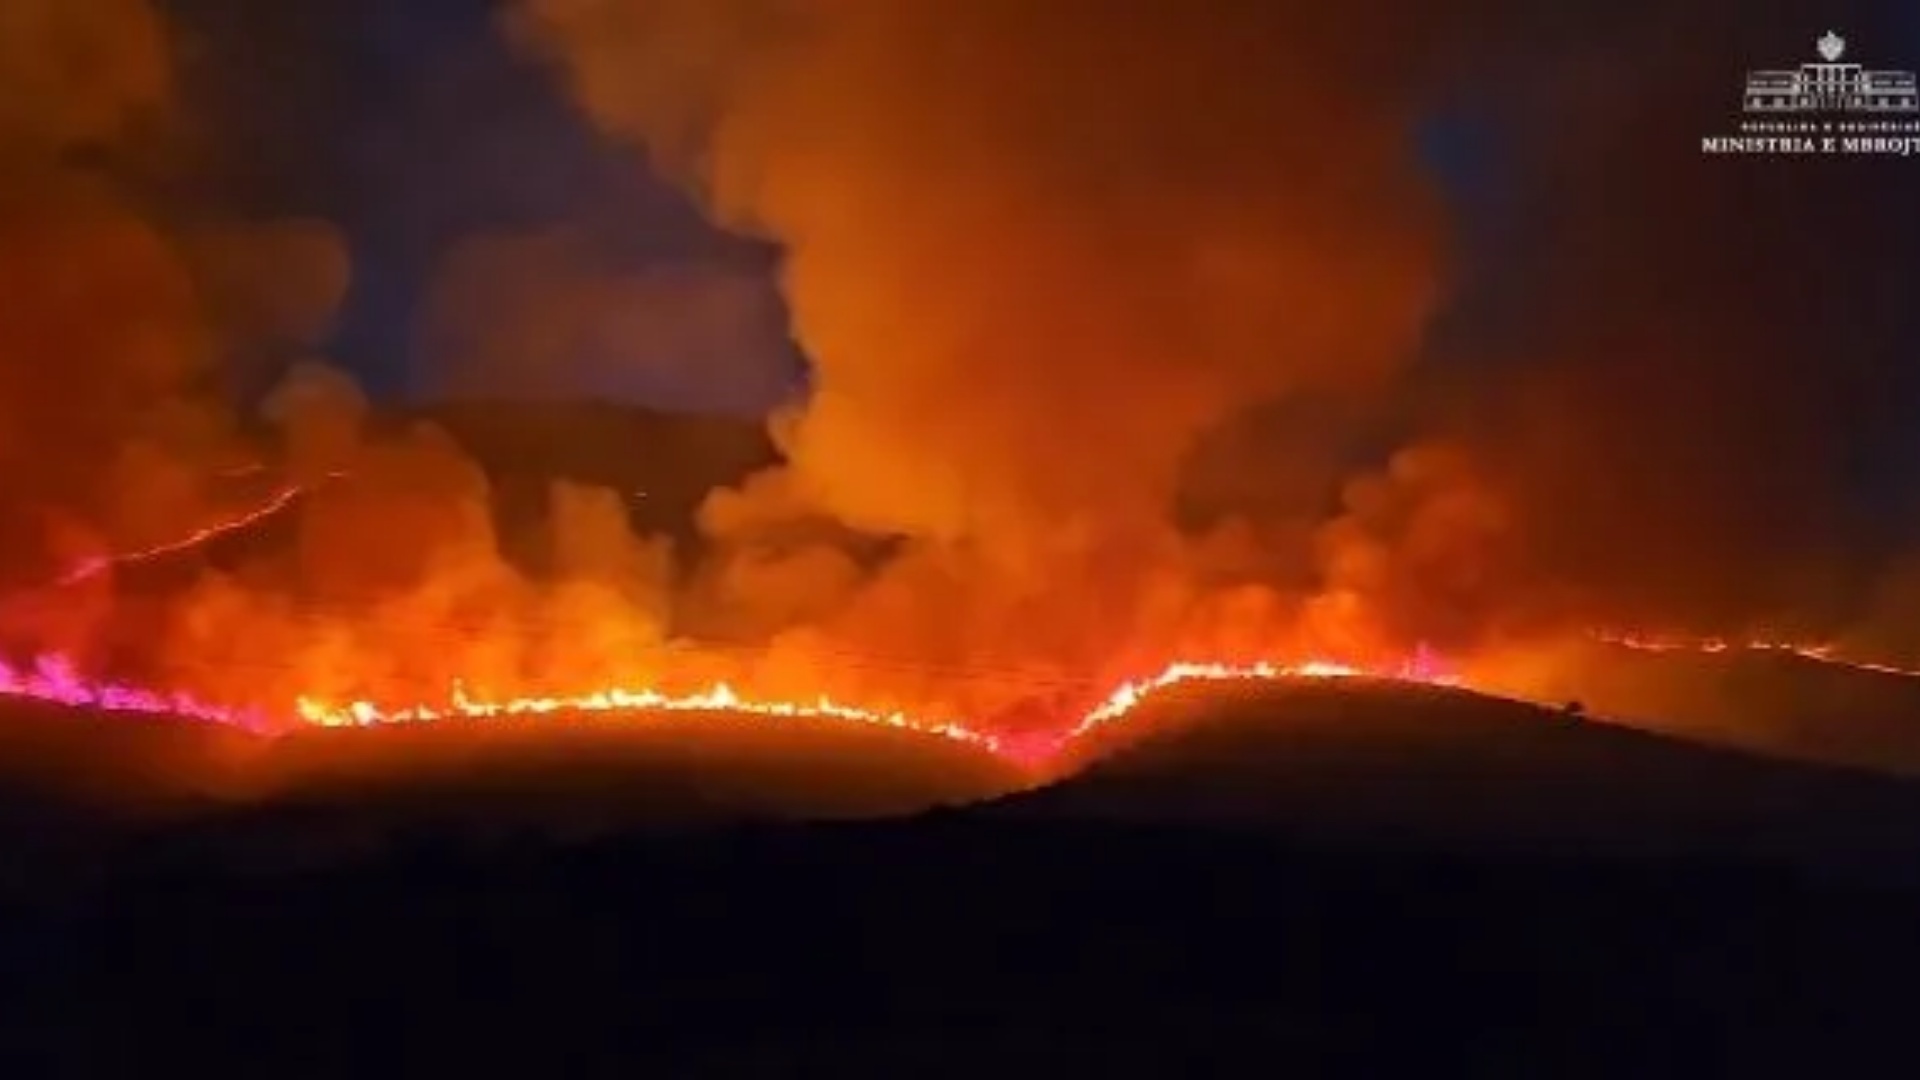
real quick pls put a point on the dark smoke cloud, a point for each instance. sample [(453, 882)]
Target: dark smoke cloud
[(1694, 386), (543, 313)]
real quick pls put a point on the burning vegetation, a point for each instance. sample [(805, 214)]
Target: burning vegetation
[(1100, 370)]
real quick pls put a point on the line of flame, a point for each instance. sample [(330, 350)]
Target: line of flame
[(93, 567), (719, 698), (56, 679), (1818, 654), (283, 497), (1128, 698)]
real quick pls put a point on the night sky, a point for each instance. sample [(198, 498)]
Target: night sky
[(412, 127)]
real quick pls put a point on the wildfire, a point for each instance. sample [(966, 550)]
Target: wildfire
[(1818, 654), (88, 569), (720, 698), (56, 679), (1123, 701)]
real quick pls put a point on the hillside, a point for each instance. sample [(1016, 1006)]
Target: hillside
[(955, 946), (1297, 879), (1767, 702), (1391, 764), (75, 783)]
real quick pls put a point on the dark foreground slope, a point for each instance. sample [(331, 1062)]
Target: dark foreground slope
[(1769, 702), (1379, 763), (1049, 935), (960, 947), (78, 787)]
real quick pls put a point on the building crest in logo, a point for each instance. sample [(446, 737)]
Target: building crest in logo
[(1831, 86)]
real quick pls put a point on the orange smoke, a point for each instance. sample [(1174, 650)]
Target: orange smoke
[(1098, 299), (119, 325), (1034, 254), (1030, 262)]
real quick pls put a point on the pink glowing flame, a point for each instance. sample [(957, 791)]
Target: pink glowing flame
[(54, 679)]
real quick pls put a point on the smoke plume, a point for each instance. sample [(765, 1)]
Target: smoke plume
[(1032, 252), (1035, 254), (1043, 257), (1135, 330)]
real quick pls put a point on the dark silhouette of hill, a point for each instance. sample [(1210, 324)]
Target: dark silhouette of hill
[(696, 762), (663, 464), (603, 442), (1384, 763), (118, 764), (957, 945), (338, 793), (74, 782), (1434, 883), (1768, 702)]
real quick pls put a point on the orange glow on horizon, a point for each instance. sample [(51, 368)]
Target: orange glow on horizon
[(58, 681), (1714, 646)]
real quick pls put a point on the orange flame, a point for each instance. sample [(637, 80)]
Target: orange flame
[(1819, 654), (88, 569), (57, 680), (1112, 708), (717, 699)]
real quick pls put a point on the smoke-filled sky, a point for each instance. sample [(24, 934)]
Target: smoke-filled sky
[(1423, 321), (462, 177)]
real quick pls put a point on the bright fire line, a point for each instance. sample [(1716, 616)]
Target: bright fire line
[(57, 680), (1817, 654), (720, 698), (89, 568)]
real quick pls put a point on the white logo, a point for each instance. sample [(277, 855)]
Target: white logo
[(1826, 107), (1831, 86)]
